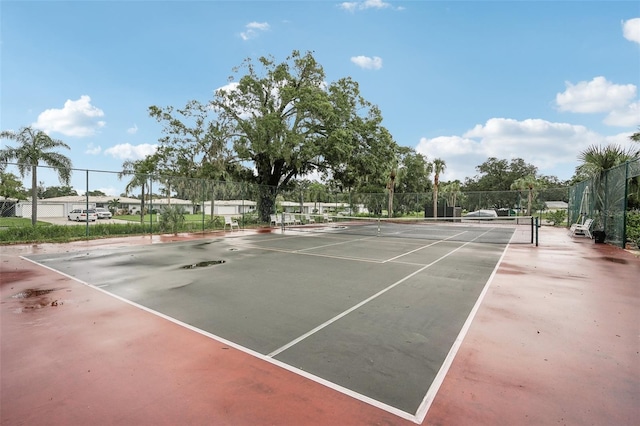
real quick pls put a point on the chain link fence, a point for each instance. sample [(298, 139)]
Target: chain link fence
[(604, 198), (169, 204)]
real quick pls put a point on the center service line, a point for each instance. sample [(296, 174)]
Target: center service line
[(348, 311)]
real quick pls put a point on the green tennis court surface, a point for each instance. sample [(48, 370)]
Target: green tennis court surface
[(372, 316), (499, 230)]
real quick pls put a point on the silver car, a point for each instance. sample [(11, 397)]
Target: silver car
[(83, 215), (103, 213), (481, 213)]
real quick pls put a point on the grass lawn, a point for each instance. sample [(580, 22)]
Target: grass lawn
[(156, 218), (19, 222)]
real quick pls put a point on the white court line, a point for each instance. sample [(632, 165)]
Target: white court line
[(346, 391), (333, 244), (357, 259), (420, 248), (353, 308), (420, 414), (342, 241), (424, 406)]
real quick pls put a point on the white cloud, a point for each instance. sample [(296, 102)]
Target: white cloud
[(621, 139), (93, 150), (352, 6), (552, 147), (368, 63), (110, 191), (253, 29), (349, 6), (229, 87), (126, 151), (600, 95), (133, 130), (597, 95), (624, 117), (77, 118), (631, 30)]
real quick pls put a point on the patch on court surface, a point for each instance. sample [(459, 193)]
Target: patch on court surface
[(376, 317)]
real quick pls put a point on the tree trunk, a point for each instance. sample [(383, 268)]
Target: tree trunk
[(34, 195), (266, 203), (142, 206), (435, 201)]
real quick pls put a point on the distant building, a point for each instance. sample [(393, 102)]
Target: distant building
[(61, 206), (553, 206)]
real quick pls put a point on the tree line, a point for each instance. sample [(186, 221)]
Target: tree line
[(276, 124)]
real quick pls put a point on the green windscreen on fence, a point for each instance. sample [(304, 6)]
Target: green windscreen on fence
[(604, 199)]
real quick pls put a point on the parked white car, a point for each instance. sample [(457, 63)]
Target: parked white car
[(83, 215), (103, 213), (482, 213)]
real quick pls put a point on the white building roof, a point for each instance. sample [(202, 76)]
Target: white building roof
[(231, 203), (169, 201), (92, 199)]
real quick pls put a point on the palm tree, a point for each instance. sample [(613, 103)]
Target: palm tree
[(113, 205), (35, 146), (139, 171), (634, 184), (437, 167), (452, 192), (391, 184), (595, 161), (529, 184)]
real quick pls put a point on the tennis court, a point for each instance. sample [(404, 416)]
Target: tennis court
[(372, 309), (323, 326)]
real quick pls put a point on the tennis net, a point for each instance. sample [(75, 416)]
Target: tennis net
[(500, 230)]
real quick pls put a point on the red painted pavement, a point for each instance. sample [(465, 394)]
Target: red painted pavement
[(554, 342)]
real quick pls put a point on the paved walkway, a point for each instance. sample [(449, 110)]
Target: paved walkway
[(556, 341)]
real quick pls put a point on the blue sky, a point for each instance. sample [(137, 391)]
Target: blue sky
[(457, 80)]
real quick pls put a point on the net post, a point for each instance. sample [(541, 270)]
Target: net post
[(378, 233), (282, 221), (532, 228), (537, 227)]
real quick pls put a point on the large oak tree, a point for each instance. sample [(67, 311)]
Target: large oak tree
[(277, 122)]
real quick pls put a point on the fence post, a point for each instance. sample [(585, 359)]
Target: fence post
[(204, 197), (625, 203), (150, 207), (242, 207), (86, 201)]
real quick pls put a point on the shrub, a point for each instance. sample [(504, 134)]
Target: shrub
[(633, 226), (171, 219), (557, 217)]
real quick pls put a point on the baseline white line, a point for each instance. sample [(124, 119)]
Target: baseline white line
[(420, 248), (334, 244), (424, 406), (421, 413), (353, 308), (363, 398), (357, 259)]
